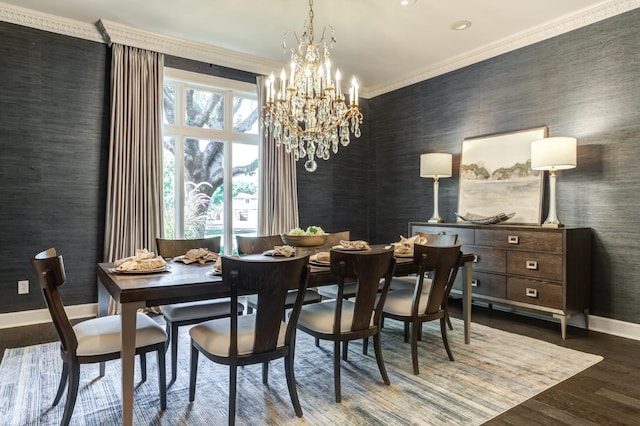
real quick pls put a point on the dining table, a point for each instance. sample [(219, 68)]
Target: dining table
[(181, 282)]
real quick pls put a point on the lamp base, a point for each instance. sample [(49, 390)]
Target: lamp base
[(436, 220), (552, 225)]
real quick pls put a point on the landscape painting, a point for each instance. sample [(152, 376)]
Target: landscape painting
[(496, 177)]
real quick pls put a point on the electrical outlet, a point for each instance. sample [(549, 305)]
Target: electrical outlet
[(23, 287)]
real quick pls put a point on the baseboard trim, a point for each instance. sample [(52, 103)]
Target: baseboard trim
[(40, 316), (605, 325)]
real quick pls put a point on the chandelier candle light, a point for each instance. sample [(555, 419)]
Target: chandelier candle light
[(307, 111), (553, 154), (436, 166)]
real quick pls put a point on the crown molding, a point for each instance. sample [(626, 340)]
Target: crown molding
[(586, 17), (110, 32), (54, 24), (123, 34)]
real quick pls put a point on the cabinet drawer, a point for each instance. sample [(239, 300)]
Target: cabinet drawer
[(465, 235), (540, 293), (515, 239), (489, 285), (535, 265), (488, 259)]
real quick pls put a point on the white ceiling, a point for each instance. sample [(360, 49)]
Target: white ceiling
[(387, 46)]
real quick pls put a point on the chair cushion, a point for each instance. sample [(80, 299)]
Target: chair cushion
[(399, 302), (101, 335), (214, 336), (205, 309), (319, 317), (408, 283), (310, 296)]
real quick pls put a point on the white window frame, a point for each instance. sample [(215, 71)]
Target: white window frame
[(229, 88)]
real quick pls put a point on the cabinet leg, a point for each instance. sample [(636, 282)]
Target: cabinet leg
[(586, 320), (563, 324)]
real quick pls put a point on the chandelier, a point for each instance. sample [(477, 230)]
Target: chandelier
[(307, 112)]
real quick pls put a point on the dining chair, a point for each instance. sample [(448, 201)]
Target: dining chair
[(340, 320), (256, 245), (428, 301), (179, 314), (94, 340), (410, 282), (259, 337)]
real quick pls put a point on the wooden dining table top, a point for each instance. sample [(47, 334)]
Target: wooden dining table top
[(188, 282)]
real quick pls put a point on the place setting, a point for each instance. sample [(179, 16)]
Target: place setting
[(143, 262)]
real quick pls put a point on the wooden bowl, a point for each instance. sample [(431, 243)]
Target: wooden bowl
[(304, 240)]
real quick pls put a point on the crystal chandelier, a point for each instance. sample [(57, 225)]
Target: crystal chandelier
[(307, 111)]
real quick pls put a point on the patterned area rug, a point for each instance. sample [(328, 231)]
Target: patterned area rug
[(497, 371)]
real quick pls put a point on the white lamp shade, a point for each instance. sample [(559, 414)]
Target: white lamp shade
[(435, 165), (557, 153)]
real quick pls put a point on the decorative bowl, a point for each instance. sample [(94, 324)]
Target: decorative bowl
[(304, 240)]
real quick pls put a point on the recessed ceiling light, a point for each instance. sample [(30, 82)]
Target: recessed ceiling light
[(460, 25), (407, 2)]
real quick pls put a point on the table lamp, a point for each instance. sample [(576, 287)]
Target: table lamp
[(553, 154), (436, 166)]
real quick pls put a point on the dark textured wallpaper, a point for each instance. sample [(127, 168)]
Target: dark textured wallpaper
[(54, 134)]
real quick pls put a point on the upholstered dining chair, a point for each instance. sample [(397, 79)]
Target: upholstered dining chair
[(340, 320), (94, 340), (257, 245), (410, 282), (179, 314), (428, 301), (259, 337)]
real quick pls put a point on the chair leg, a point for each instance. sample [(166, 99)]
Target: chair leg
[(345, 350), (193, 373), (336, 369), (317, 342), (365, 345), (443, 330), (63, 383), (233, 371), (162, 378), (406, 332), (448, 319), (72, 393), (378, 349), (265, 372), (174, 352), (415, 326), (143, 367), (102, 369), (291, 384)]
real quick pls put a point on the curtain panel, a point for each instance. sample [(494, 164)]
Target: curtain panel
[(278, 199), (134, 191)]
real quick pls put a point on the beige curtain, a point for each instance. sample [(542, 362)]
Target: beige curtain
[(278, 203), (134, 188)]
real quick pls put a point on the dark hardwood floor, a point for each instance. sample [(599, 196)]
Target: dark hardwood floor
[(606, 394)]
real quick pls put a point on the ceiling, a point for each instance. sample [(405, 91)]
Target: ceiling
[(387, 46)]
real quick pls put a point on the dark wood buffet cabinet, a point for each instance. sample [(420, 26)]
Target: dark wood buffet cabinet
[(532, 268)]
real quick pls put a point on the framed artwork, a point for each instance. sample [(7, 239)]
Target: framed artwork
[(496, 177)]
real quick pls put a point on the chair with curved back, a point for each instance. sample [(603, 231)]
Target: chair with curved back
[(340, 320), (428, 301), (257, 245), (179, 314), (254, 338), (94, 340)]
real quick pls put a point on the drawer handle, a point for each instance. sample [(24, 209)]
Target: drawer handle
[(474, 283), (532, 292), (513, 239), (476, 258), (532, 264)]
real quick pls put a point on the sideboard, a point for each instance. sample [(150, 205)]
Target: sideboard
[(531, 268)]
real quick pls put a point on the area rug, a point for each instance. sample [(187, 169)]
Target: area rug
[(496, 372)]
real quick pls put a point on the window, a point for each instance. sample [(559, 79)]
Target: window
[(210, 157)]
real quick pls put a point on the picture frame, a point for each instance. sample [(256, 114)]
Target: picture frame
[(496, 177)]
